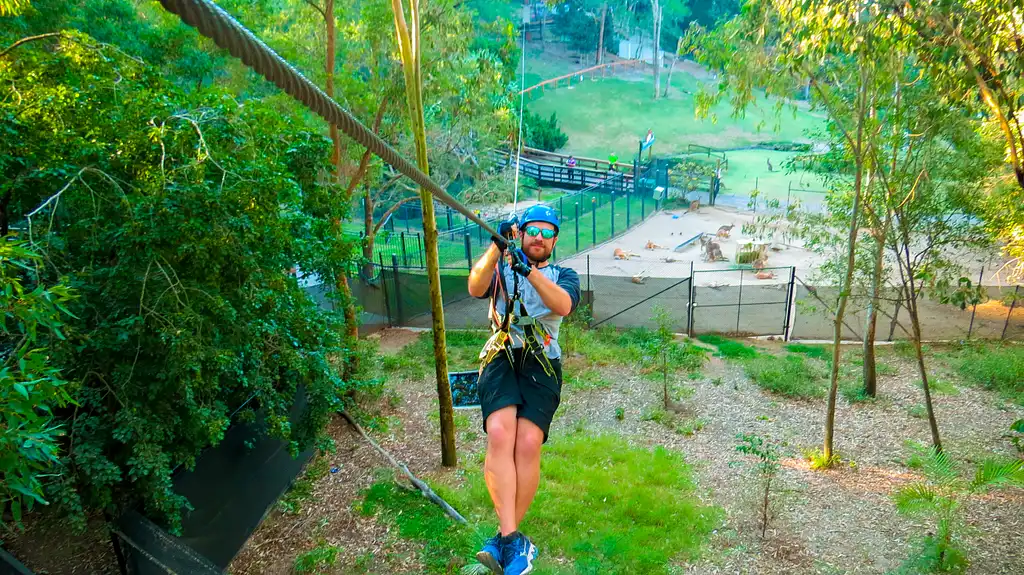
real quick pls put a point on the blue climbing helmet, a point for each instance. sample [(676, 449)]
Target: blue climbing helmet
[(540, 213)]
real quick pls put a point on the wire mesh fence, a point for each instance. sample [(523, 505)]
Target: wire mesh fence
[(606, 207), (747, 302)]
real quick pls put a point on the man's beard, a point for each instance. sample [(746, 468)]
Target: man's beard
[(542, 259)]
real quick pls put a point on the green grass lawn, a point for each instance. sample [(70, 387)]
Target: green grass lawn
[(748, 170), (606, 506), (611, 115)]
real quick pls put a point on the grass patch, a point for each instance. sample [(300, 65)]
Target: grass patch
[(690, 427), (606, 346), (940, 387), (918, 411), (606, 506), (613, 508), (416, 360), (587, 379), (320, 559), (816, 457), (853, 391), (998, 368), (822, 352), (444, 543), (728, 348), (790, 376)]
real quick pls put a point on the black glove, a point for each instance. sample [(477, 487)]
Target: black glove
[(519, 263), (505, 231)]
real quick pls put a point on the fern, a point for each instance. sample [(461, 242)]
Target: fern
[(916, 498), (994, 473), (939, 468)]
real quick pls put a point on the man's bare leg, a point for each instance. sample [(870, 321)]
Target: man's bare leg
[(529, 439), (500, 467)]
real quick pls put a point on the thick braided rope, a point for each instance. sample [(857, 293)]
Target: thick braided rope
[(216, 24)]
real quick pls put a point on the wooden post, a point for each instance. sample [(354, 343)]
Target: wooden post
[(1012, 305)]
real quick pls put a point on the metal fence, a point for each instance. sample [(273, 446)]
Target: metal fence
[(734, 302), (600, 206)]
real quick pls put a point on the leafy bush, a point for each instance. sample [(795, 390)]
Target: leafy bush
[(543, 134), (790, 376), (175, 216), (31, 389)]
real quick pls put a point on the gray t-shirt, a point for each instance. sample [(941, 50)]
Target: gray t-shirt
[(565, 278)]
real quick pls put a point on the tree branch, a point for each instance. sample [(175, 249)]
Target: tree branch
[(27, 40), (391, 210), (419, 484)]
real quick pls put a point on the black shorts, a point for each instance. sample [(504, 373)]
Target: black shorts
[(525, 385)]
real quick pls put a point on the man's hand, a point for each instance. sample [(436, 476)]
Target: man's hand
[(518, 262), (506, 229)]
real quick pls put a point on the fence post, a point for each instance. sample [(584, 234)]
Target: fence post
[(398, 291), (1013, 304), (629, 200), (419, 247), (739, 303), (974, 308), (690, 305), (789, 303), (448, 214), (592, 299), (479, 235), (405, 259), (384, 285), (612, 204), (593, 222), (577, 226), (561, 212), (643, 207), (469, 252)]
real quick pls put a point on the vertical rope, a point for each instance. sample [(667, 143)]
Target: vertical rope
[(522, 100)]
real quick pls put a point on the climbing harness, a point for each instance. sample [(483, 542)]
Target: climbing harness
[(535, 339)]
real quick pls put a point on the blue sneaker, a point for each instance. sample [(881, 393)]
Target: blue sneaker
[(518, 556), (490, 556)]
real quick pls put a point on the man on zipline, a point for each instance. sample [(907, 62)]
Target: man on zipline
[(521, 373)]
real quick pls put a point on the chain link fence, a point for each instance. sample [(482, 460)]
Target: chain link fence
[(744, 302)]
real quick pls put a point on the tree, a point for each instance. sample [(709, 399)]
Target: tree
[(543, 134), (408, 35), (657, 13), (175, 215), (775, 44)]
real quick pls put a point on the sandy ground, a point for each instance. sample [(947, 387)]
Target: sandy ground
[(672, 228)]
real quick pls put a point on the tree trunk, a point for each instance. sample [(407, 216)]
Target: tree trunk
[(369, 235), (600, 35), (915, 324), (409, 42), (896, 313), (336, 158), (351, 323), (851, 256), (870, 371), (671, 68), (656, 48)]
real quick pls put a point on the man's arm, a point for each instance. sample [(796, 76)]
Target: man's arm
[(481, 277), (560, 298)]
